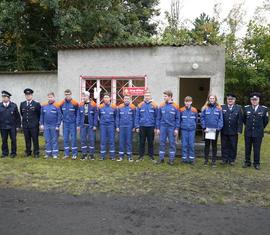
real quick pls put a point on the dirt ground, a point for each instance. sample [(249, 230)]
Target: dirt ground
[(24, 212)]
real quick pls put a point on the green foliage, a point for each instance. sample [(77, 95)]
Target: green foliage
[(29, 30)]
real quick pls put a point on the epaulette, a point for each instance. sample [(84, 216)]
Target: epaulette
[(61, 102), (56, 104), (182, 109), (175, 105), (74, 102), (101, 106), (93, 104), (132, 106), (155, 105), (140, 104), (194, 110), (121, 105), (114, 106), (162, 104), (44, 103)]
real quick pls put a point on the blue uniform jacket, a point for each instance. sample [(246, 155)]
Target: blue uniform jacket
[(50, 115), (9, 116), (92, 114), (232, 120), (188, 118), (126, 115), (255, 121), (146, 114), (212, 117), (69, 110), (107, 114), (168, 115)]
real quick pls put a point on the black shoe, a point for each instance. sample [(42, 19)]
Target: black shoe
[(84, 157), (3, 156), (205, 163), (160, 161), (231, 163), (139, 159), (36, 156), (246, 165), (152, 159), (92, 158), (27, 155), (13, 155), (257, 167), (224, 162), (170, 162), (214, 164)]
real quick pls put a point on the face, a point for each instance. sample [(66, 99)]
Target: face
[(51, 98), (255, 102), (188, 103), (126, 99), (29, 96), (212, 99), (147, 96), (85, 98), (5, 99), (230, 101), (68, 96), (107, 99), (166, 98)]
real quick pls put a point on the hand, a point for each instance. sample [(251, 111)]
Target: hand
[(57, 128), (175, 132), (133, 129), (17, 129), (78, 128), (205, 130), (117, 129), (41, 127), (157, 131), (137, 130), (94, 128)]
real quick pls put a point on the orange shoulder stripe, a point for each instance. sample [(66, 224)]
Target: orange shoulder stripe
[(155, 105), (44, 103), (74, 102), (182, 109), (162, 104), (61, 102), (56, 104), (140, 104), (101, 106), (175, 105), (132, 106), (194, 110), (121, 106), (81, 104), (93, 104), (113, 106)]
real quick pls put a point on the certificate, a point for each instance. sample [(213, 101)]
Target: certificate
[(210, 134)]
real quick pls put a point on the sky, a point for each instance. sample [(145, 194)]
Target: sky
[(193, 8)]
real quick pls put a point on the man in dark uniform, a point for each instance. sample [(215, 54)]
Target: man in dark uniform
[(30, 112), (10, 122), (232, 126), (255, 120)]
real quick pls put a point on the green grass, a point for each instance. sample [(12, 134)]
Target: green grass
[(197, 184)]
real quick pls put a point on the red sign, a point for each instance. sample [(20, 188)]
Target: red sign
[(134, 91)]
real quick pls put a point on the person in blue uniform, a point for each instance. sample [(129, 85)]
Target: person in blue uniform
[(211, 121), (168, 123), (232, 127), (107, 121), (145, 124), (30, 112), (69, 109), (10, 122), (50, 121), (87, 125), (255, 120), (188, 124), (125, 122)]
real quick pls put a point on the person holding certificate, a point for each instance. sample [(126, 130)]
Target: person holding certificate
[(212, 123)]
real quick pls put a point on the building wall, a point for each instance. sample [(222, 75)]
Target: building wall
[(163, 66), (41, 83)]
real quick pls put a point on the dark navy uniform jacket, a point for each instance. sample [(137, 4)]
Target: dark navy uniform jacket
[(232, 120), (30, 114), (9, 116), (255, 121)]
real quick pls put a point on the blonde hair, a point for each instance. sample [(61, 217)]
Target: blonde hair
[(207, 103)]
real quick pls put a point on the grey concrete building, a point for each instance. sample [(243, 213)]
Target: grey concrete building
[(194, 70)]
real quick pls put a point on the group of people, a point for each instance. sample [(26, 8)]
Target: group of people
[(148, 119)]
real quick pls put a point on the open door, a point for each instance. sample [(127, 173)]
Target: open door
[(197, 88)]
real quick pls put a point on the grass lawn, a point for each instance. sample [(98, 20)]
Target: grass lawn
[(196, 184)]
